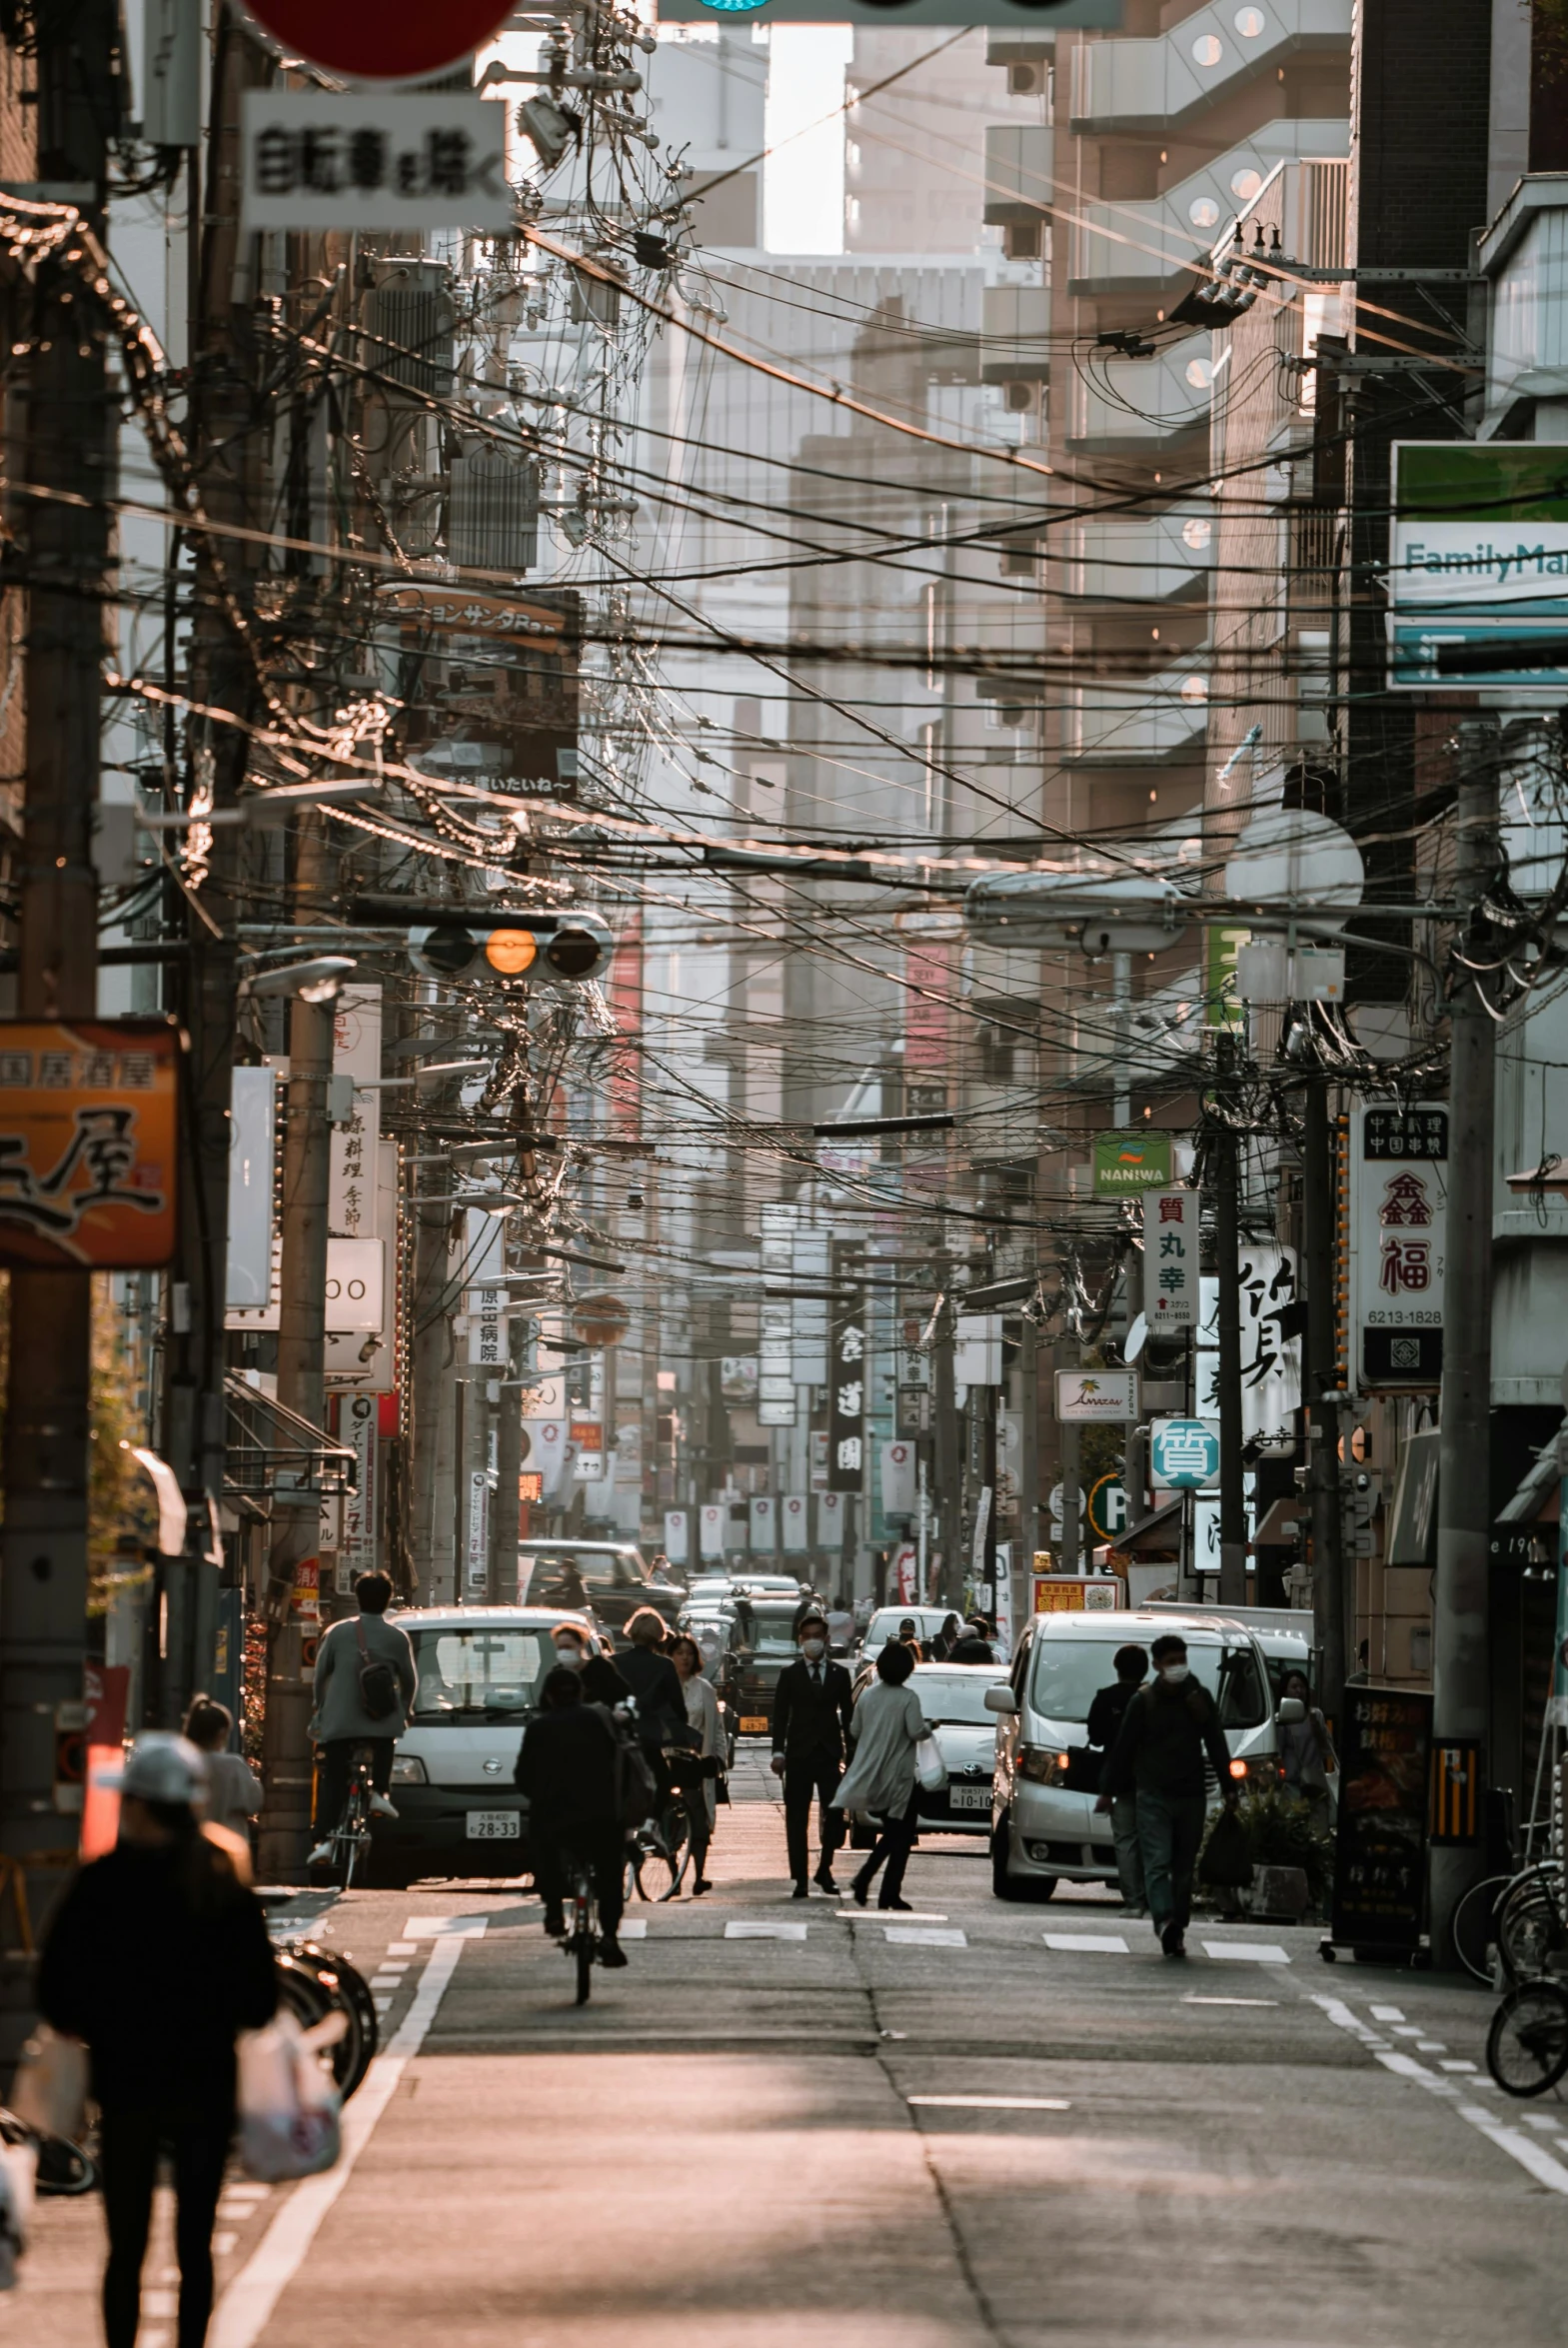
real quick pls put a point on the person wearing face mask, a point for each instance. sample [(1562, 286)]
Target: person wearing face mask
[(812, 1728), (602, 1683), (1167, 1729)]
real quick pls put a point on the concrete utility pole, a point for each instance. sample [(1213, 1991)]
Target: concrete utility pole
[(302, 1352), (1317, 1238), (944, 1447), (43, 1586), (1028, 1446), (1069, 1354), (1461, 1661), (1227, 1241)]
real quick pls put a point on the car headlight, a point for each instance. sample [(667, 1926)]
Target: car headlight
[(409, 1769), (1042, 1764)]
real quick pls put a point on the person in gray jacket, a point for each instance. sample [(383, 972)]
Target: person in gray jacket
[(341, 1720)]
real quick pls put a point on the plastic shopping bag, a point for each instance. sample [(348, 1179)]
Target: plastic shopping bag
[(289, 2103), (18, 2175), (930, 1767), (50, 2089)]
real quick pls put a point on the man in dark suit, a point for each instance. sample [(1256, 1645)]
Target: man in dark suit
[(812, 1711)]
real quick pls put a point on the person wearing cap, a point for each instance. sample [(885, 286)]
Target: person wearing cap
[(157, 1957)]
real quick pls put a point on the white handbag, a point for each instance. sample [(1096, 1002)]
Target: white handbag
[(930, 1767)]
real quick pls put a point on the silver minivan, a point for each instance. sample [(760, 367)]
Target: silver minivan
[(1045, 1827)]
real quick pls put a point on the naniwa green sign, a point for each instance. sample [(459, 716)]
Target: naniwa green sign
[(1139, 1160)]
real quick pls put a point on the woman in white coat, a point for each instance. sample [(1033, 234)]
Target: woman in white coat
[(702, 1712), (880, 1781)]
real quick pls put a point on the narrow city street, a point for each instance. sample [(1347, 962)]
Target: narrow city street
[(796, 2124)]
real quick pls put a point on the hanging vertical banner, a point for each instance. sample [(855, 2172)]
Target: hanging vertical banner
[(476, 1546), (1270, 1359), (847, 1373), (776, 1404), (897, 1478), (795, 1515), (1398, 1239), (356, 1052), (809, 1268), (253, 1132), (678, 1537), (356, 1541), (1170, 1259), (831, 1520), (487, 1318), (711, 1523), (765, 1524)]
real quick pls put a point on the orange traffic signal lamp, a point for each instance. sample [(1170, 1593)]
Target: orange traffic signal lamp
[(560, 947)]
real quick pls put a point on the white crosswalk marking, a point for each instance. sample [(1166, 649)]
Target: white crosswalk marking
[(735, 1929), (633, 1928), (1092, 1943), (1250, 1952), (925, 1936)]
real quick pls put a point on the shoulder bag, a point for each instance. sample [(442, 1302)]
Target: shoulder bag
[(380, 1694)]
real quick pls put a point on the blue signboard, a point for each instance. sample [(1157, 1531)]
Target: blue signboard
[(1184, 1454)]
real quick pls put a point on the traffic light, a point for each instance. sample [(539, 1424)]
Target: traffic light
[(563, 948)]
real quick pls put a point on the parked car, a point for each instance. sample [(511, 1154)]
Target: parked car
[(477, 1672), (1045, 1827), (953, 1701), (764, 1641), (613, 1578)]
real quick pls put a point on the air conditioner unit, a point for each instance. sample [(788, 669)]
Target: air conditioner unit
[(1022, 397)]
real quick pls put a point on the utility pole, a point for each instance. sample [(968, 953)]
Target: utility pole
[(1461, 1661), (1029, 1445), (1317, 1238), (43, 1586), (302, 1350), (1068, 1354), (1227, 1240), (944, 1445)]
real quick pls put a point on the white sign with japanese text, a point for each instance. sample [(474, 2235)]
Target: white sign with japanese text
[(1398, 1231), (357, 1539), (1087, 1395), (421, 159), (1170, 1259), (356, 1052)]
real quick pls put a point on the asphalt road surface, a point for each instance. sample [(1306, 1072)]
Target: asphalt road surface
[(789, 2124)]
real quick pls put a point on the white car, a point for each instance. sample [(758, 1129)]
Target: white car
[(1046, 1828), (953, 1699)]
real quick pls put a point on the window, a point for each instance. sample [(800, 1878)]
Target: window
[(478, 1676), (1069, 1673), (957, 1696)]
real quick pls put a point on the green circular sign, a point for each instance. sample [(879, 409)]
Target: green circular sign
[(1108, 1511)]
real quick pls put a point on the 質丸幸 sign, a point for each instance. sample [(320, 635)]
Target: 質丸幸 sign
[(1170, 1259)]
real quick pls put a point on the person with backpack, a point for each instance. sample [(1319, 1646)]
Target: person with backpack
[(1167, 1729), (570, 1771), (365, 1685)]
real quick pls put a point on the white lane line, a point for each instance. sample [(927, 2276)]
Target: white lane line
[(401, 1948), (1192, 1998), (874, 1915), (925, 1936), (246, 2308), (1431, 2046), (1410, 2029), (1247, 1952), (737, 1930), (993, 2102), (1388, 2014), (633, 1928), (1094, 1944), (443, 1928), (1518, 2146), (1451, 2065)]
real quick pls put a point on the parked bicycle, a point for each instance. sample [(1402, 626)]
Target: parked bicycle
[(314, 1982), (1523, 1917), (1527, 2044)]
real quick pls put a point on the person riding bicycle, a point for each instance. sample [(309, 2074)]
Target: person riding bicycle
[(365, 1685), (660, 1697), (569, 1771)]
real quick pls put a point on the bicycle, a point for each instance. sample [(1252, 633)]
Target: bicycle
[(349, 1838), (582, 1941), (1527, 2044), (313, 1983), (1520, 1915), (663, 1841)]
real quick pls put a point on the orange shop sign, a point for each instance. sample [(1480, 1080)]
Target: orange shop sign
[(89, 1132)]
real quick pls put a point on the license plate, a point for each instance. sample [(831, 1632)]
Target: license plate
[(969, 1798), (756, 1726), (494, 1825)]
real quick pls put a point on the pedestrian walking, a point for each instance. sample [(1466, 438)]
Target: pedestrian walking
[(880, 1781), (567, 1769), (1107, 1714), (702, 1714), (364, 1687), (812, 1709), (1165, 1731), (1306, 1750), (234, 1791), (602, 1683), (946, 1638), (157, 1957)]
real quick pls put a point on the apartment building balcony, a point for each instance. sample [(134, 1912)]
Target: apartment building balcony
[(1156, 85), (1140, 406), (1019, 172), (1158, 721), (1015, 331), (1525, 255), (1155, 558), (1150, 247)]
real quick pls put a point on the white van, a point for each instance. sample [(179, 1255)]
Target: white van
[(1046, 1830), (478, 1673)]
